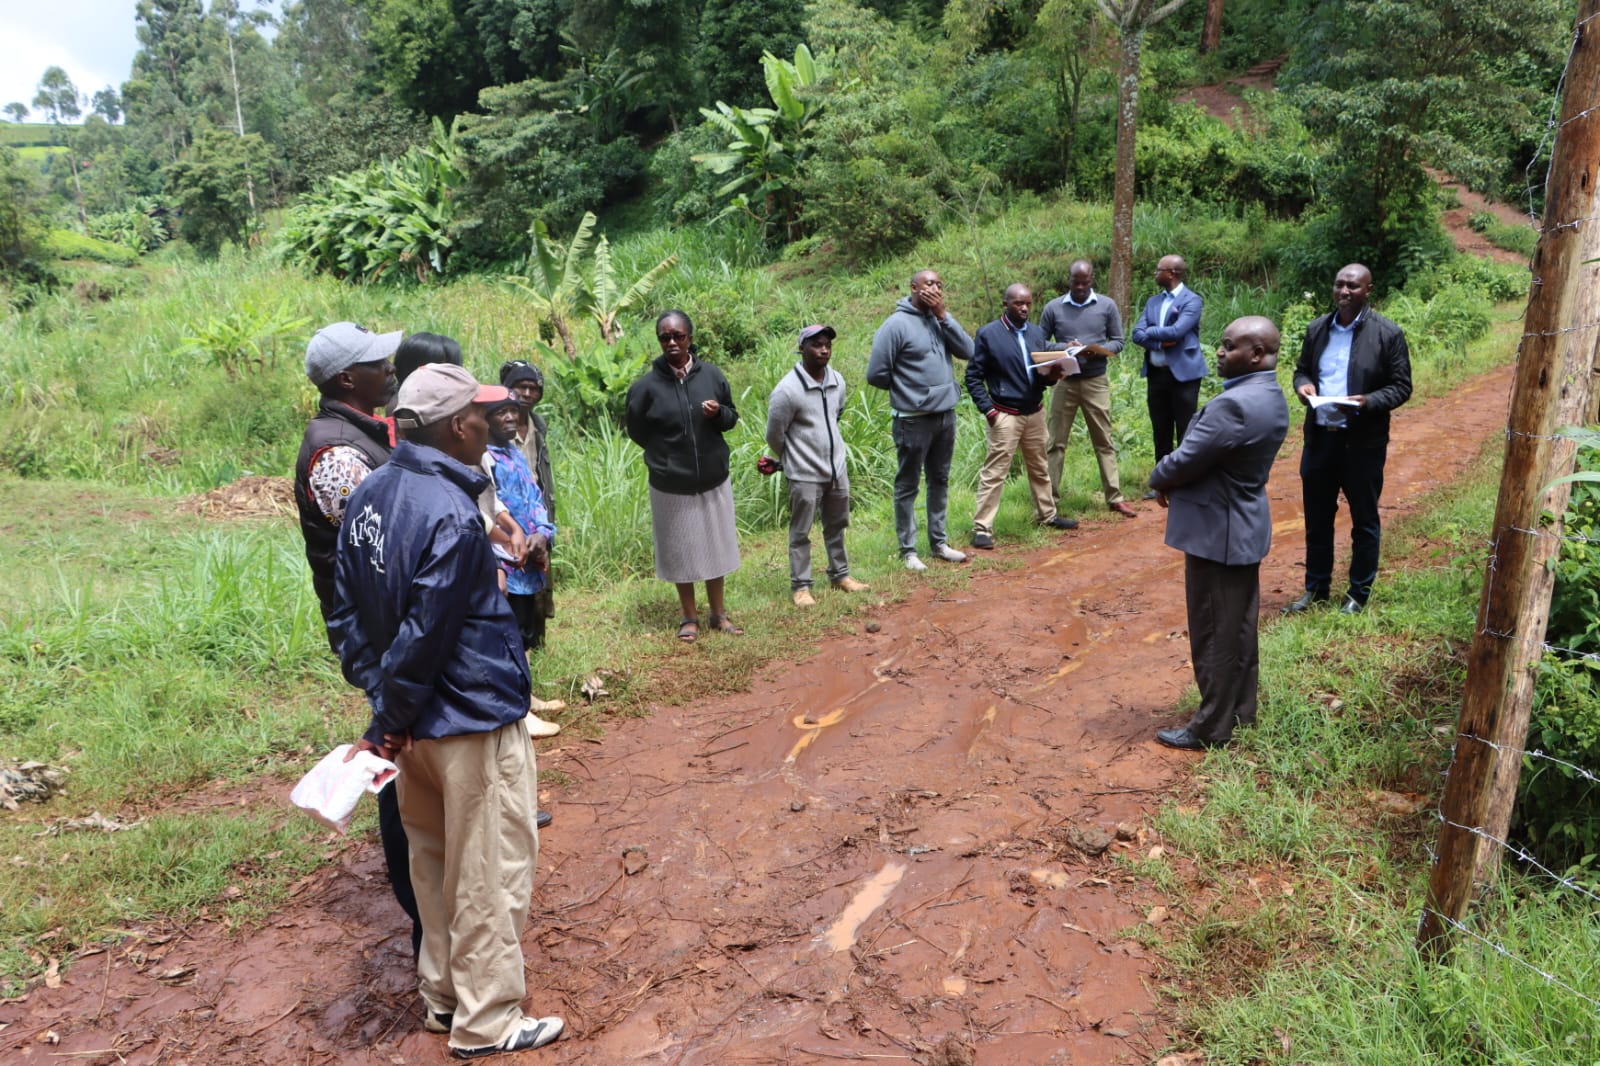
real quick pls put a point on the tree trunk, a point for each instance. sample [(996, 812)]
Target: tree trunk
[(238, 116), (1211, 31), (1122, 193), (1551, 390)]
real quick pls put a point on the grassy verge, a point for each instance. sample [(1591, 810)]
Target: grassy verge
[(1309, 843)]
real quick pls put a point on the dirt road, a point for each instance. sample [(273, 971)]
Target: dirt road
[(876, 854)]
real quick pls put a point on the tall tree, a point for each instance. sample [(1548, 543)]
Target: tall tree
[(159, 96), (1132, 18), (1211, 30), (108, 104), (1396, 85), (60, 101), (17, 110)]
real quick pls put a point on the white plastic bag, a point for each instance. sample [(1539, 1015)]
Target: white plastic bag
[(329, 793)]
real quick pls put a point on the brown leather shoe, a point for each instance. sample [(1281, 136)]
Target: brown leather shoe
[(1123, 508), (850, 584)]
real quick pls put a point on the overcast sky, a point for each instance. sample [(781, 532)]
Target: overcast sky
[(93, 40)]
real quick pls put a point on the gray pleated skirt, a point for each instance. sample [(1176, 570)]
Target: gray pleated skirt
[(694, 536)]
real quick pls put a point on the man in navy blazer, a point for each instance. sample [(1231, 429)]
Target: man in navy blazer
[(1355, 353), (1169, 332), (1215, 489)]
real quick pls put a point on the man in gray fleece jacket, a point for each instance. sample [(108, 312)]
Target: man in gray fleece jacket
[(912, 358), (803, 434)]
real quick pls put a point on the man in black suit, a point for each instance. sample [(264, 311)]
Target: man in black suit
[(1215, 488), (1354, 368)]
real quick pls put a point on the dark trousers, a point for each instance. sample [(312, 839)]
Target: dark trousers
[(925, 445), (1224, 605), (529, 610), (392, 835), (1172, 404), (1330, 464)]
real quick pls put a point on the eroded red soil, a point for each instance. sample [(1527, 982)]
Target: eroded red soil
[(873, 855)]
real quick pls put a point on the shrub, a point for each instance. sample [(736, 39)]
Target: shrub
[(1519, 238), (593, 385), (391, 220), (139, 229)]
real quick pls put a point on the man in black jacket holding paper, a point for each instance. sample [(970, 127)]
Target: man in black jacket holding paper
[(1354, 368), (1009, 391)]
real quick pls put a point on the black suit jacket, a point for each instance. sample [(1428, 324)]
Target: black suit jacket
[(1380, 370)]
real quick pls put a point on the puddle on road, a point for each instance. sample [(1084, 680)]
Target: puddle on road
[(872, 895)]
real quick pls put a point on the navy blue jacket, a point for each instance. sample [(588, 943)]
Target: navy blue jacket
[(420, 625), (996, 374)]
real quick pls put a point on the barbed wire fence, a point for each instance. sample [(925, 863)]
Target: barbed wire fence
[(1555, 368)]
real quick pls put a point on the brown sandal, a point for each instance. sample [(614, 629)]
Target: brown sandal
[(723, 624), (689, 630)]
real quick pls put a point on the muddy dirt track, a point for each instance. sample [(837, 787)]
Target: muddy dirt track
[(875, 855)]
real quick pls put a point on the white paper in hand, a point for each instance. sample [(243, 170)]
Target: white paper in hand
[(329, 793)]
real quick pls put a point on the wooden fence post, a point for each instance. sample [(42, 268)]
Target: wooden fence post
[(1561, 335)]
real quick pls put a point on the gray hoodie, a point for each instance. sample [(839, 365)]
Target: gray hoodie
[(911, 357), (803, 426)]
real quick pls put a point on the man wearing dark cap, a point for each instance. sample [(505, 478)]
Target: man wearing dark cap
[(803, 435), (422, 628)]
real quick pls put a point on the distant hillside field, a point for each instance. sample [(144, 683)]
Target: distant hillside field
[(25, 134)]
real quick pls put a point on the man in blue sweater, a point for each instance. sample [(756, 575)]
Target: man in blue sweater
[(421, 628), (1009, 393)]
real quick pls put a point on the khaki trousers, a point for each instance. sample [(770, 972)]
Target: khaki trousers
[(1093, 396), (468, 804), (1007, 434)]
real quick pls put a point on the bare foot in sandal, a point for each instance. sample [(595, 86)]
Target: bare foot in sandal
[(689, 630), (723, 624)]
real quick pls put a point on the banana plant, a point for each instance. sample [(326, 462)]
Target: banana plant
[(562, 288), (607, 302), (766, 147), (555, 285)]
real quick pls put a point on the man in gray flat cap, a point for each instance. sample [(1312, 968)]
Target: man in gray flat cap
[(422, 628)]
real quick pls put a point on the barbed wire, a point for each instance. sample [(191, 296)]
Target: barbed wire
[(1533, 753), (1504, 953), (1522, 853)]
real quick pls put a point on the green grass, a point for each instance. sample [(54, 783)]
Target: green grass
[(1304, 898), (1519, 237)]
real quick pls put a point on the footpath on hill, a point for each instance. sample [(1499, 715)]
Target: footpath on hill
[(900, 848)]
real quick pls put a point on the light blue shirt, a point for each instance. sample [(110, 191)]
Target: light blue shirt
[(1333, 370), (1021, 333), (1157, 355)]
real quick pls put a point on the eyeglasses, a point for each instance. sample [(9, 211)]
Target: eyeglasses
[(672, 335)]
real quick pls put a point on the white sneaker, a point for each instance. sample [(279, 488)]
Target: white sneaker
[(949, 554), (912, 563), (538, 728), (529, 1034)]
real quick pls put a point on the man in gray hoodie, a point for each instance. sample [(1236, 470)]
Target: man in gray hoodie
[(803, 434), (912, 358)]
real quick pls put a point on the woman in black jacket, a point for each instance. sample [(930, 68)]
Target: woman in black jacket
[(678, 412)]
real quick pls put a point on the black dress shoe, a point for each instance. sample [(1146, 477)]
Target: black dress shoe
[(542, 819), (1306, 602), (982, 540), (1061, 523), (1181, 738), (1351, 605)]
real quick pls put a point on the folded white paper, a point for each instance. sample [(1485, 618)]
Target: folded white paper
[(330, 792)]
